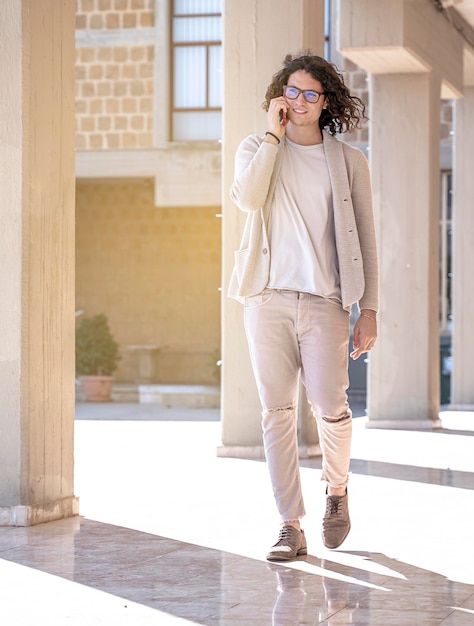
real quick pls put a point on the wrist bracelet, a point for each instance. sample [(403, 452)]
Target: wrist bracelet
[(369, 317), (272, 135)]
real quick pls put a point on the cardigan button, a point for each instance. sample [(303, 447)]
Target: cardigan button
[(264, 251)]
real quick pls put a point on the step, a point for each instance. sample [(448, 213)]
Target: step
[(180, 395)]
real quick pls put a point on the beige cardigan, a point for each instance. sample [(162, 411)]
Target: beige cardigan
[(257, 166)]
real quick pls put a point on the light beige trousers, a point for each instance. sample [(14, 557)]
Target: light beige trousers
[(289, 333)]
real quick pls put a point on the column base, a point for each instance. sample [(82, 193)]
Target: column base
[(459, 407), (257, 452), (405, 424), (31, 515)]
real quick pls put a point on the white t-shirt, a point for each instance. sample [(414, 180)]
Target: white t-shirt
[(303, 254)]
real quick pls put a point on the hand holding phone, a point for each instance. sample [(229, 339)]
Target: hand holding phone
[(276, 116)]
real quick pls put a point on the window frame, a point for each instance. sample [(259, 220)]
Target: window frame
[(207, 44)]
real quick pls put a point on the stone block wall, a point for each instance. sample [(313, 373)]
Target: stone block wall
[(114, 82), (111, 14)]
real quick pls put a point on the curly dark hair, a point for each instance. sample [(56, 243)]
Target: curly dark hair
[(344, 113)]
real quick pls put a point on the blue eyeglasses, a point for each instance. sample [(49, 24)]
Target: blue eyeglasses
[(308, 94)]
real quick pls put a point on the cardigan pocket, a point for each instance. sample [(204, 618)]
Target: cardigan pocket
[(241, 260)]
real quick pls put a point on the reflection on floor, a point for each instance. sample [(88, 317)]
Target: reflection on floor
[(171, 534)]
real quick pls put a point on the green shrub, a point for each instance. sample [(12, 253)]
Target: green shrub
[(97, 352)]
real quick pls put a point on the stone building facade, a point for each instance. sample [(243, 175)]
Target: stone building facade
[(141, 219), (149, 262)]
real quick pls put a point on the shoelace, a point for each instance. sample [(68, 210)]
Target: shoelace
[(285, 532), (333, 506)]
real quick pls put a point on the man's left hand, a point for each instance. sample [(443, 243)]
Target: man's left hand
[(365, 333)]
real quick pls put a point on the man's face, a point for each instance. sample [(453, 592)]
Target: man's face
[(301, 112)]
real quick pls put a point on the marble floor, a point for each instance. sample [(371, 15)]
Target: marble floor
[(169, 533)]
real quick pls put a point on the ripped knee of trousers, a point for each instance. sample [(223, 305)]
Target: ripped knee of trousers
[(278, 409), (273, 415), (334, 419)]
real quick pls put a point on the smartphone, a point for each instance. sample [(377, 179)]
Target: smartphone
[(283, 117)]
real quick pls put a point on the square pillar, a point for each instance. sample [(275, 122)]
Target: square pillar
[(462, 377), (37, 187), (404, 155), (257, 36)]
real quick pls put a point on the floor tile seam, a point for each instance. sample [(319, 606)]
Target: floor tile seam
[(167, 604), (454, 613), (451, 612), (457, 589), (4, 552), (30, 541), (128, 531), (128, 594), (250, 598), (144, 552), (468, 599), (12, 554), (330, 616), (385, 578), (99, 570), (183, 579), (91, 563), (67, 551), (184, 615)]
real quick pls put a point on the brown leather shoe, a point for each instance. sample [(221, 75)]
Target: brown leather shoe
[(291, 543), (336, 521)]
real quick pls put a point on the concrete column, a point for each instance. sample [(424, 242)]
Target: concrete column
[(37, 259), (414, 57), (404, 157), (462, 379), (257, 35)]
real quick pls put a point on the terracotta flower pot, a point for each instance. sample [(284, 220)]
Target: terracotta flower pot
[(97, 388)]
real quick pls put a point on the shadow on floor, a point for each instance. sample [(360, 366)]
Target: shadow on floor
[(426, 475), (211, 587)]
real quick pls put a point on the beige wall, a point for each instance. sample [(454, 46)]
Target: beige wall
[(154, 272)]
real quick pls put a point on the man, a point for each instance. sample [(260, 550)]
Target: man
[(307, 254)]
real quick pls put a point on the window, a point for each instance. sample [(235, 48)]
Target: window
[(196, 36), (445, 243), (327, 29)]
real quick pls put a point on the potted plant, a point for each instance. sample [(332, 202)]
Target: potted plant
[(97, 357)]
